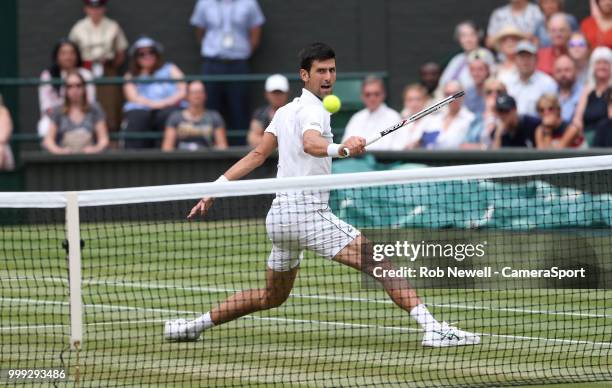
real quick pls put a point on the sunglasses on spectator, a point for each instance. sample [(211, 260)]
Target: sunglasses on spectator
[(145, 53), (577, 43), (74, 86), (488, 92), (547, 109), (372, 94)]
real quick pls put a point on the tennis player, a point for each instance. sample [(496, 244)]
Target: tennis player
[(300, 220)]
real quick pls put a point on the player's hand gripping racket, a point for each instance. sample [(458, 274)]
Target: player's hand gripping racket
[(412, 118)]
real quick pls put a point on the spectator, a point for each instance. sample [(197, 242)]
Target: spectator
[(76, 126), (513, 130), (230, 31), (150, 104), (277, 95), (505, 44), (578, 50), (415, 100), (195, 127), (521, 14), (7, 163), (480, 65), (549, 8), (560, 32), (593, 104), (448, 129), (480, 133), (467, 34), (569, 88), (597, 28), (374, 117), (603, 129), (102, 44), (65, 58), (529, 84), (553, 131), (429, 74)]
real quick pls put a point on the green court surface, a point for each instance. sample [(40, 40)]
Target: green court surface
[(331, 332)]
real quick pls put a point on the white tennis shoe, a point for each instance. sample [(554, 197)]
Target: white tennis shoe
[(178, 330), (447, 335)]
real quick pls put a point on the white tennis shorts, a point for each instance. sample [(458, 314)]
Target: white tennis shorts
[(293, 227)]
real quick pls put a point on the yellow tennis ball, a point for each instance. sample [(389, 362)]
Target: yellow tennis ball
[(332, 103)]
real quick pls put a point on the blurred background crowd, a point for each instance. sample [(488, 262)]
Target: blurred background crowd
[(535, 76)]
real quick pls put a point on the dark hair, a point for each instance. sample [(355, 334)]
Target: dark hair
[(134, 67), (54, 69), (315, 52), (84, 101)]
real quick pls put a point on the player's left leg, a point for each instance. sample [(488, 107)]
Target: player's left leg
[(358, 254)]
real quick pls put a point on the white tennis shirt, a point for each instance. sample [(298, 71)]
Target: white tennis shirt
[(288, 125)]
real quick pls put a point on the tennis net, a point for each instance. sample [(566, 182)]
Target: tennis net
[(518, 253)]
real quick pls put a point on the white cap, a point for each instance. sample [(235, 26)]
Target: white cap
[(277, 82)]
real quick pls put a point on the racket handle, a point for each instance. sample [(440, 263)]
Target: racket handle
[(373, 139)]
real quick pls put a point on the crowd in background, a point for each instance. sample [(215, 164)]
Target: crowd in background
[(537, 77)]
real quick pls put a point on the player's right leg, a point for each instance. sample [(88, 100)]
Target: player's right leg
[(278, 288)]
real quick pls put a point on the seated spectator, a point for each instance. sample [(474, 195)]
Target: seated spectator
[(521, 14), (505, 43), (569, 88), (448, 129), (597, 28), (593, 104), (467, 34), (553, 131), (560, 32), (480, 64), (513, 130), (578, 49), (529, 84), (603, 129), (77, 126), (549, 8), (480, 133), (429, 77), (415, 100), (277, 95), (103, 44), (150, 104), (195, 127), (374, 117), (7, 163), (65, 58)]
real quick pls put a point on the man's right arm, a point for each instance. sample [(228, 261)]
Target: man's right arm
[(253, 159), (250, 162)]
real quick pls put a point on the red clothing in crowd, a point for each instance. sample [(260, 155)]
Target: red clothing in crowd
[(594, 35)]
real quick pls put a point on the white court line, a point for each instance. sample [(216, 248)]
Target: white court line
[(318, 297), (42, 327), (309, 321)]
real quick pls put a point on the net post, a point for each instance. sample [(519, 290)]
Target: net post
[(73, 236)]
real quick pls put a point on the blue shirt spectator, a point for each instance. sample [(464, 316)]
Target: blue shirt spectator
[(229, 31), (480, 63), (569, 87), (227, 25), (148, 105)]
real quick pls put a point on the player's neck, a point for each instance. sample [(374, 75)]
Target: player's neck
[(314, 93)]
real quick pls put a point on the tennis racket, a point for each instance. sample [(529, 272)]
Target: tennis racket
[(435, 107)]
